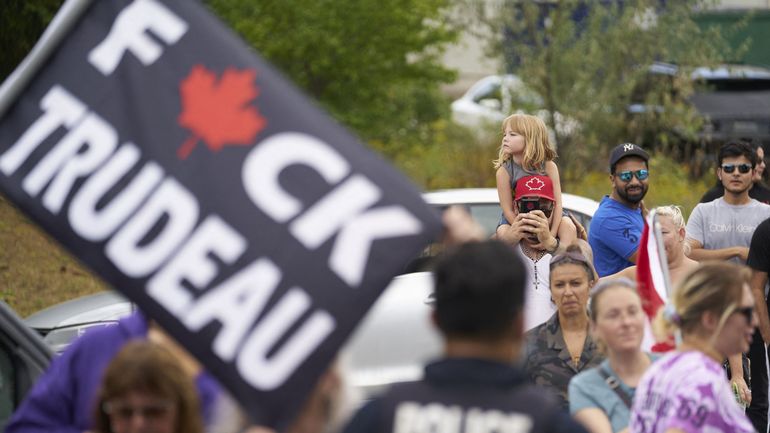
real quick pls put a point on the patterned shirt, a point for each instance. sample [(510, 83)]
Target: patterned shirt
[(548, 361), (687, 391)]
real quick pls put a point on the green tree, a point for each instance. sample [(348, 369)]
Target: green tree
[(374, 64), (21, 24), (590, 61)]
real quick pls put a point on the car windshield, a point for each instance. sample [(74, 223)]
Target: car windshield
[(735, 85)]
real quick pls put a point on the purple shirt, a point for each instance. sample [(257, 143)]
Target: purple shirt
[(688, 391)]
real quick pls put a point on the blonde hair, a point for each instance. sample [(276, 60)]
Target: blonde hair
[(537, 145), (715, 287), (675, 213)]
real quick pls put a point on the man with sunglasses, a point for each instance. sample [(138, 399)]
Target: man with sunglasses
[(617, 224), (758, 190), (722, 230)]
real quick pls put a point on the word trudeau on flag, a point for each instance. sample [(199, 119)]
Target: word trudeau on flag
[(652, 279), (183, 169)]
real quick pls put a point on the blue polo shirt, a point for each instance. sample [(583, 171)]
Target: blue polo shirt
[(614, 235)]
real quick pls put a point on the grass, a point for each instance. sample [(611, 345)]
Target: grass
[(35, 272)]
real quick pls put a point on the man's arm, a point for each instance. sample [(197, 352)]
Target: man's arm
[(736, 376), (698, 253), (758, 282)]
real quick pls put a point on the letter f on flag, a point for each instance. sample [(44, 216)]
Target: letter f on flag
[(652, 279)]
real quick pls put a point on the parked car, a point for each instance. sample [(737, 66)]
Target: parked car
[(484, 205), (493, 98), (391, 343), (735, 102), (23, 358), (60, 324)]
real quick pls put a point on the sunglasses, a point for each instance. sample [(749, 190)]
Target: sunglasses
[(626, 176), (121, 411), (742, 168), (569, 257), (748, 313)]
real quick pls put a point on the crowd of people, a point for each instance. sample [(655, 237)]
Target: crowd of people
[(542, 326)]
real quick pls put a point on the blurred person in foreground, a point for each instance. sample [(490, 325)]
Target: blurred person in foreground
[(146, 390), (479, 300), (686, 390), (562, 347), (600, 398), (61, 401)]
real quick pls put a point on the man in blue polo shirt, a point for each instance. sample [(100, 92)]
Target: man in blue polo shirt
[(617, 225)]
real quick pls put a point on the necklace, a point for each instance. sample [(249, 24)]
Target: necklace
[(538, 255), (576, 360)]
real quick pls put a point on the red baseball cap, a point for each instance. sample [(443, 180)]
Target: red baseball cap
[(534, 186)]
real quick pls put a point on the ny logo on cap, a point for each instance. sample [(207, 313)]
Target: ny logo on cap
[(535, 184), (627, 147)]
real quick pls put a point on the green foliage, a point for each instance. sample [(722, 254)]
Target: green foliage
[(453, 158), (21, 24), (592, 70), (375, 65)]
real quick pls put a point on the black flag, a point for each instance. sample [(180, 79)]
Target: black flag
[(183, 169)]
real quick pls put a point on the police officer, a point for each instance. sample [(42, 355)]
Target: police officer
[(479, 297)]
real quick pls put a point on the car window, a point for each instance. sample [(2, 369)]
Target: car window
[(490, 91), (735, 85), (488, 216)]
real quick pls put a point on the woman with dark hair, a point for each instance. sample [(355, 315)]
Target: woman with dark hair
[(686, 390), (146, 390), (562, 347), (600, 398)]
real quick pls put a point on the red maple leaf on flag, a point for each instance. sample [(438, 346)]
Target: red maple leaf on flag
[(219, 112)]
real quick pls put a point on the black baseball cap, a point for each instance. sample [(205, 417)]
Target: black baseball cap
[(626, 149)]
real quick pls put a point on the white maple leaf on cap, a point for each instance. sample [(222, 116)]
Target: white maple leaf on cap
[(535, 184)]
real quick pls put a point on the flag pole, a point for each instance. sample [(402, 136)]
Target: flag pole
[(60, 26), (661, 252)]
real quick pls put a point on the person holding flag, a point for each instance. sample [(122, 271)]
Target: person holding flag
[(672, 230), (666, 246)]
